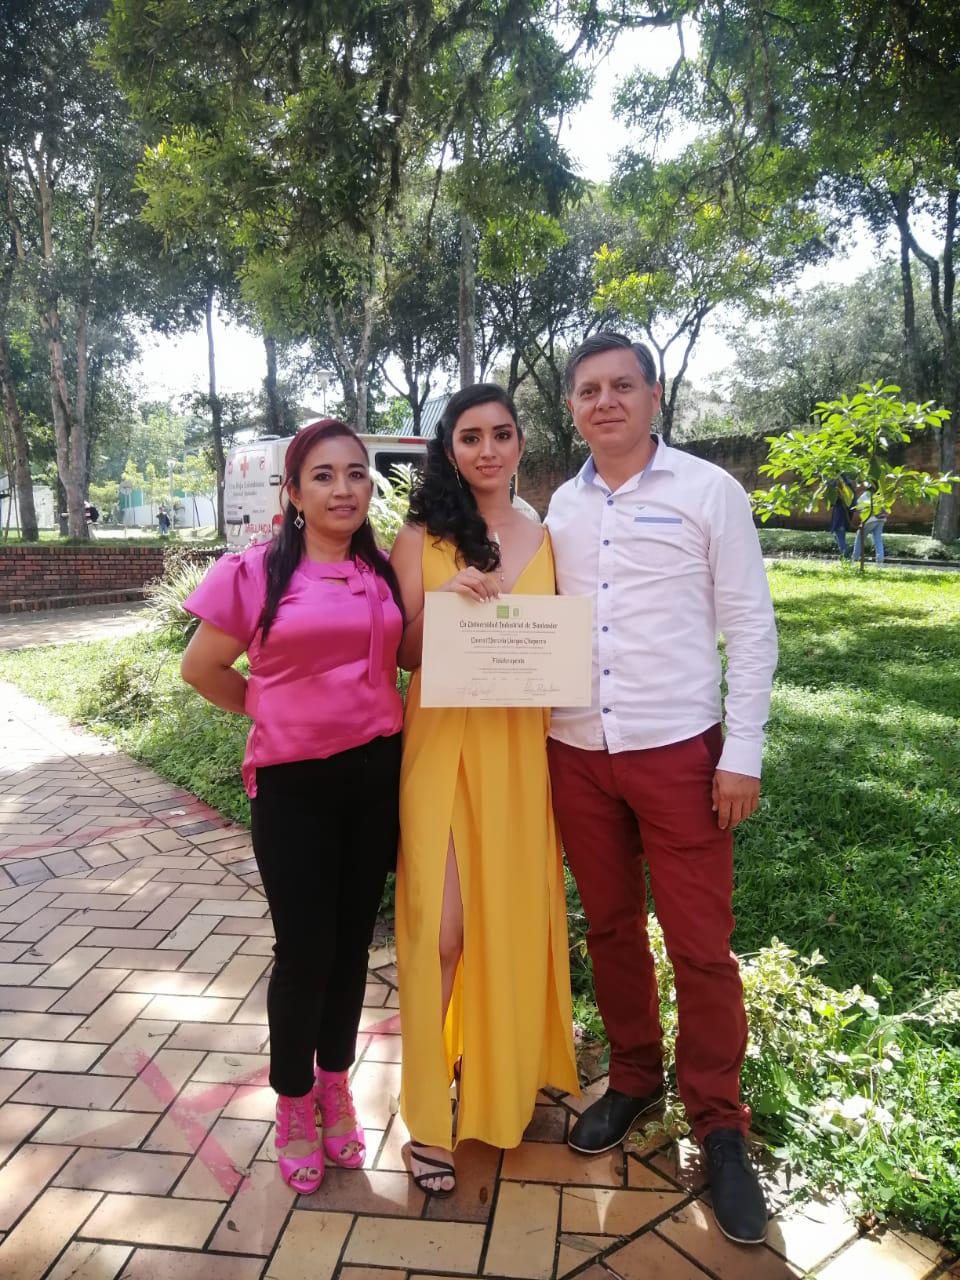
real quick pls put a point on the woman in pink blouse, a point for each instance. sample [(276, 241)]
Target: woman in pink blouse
[(317, 613)]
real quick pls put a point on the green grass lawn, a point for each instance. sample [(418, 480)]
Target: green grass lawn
[(856, 849), (855, 853)]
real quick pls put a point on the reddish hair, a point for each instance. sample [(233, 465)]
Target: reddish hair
[(307, 437), (288, 548)]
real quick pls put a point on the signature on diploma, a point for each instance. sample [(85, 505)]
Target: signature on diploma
[(483, 688), (535, 685), (478, 687)]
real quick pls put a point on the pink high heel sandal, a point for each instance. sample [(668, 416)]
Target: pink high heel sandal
[(296, 1121), (331, 1091)]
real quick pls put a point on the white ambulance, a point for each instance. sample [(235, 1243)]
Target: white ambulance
[(251, 496)]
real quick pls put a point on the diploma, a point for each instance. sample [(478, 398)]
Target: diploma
[(518, 651)]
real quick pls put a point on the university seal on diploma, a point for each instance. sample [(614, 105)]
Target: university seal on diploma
[(518, 651)]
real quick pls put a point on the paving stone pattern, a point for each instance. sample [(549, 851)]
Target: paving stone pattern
[(135, 1118)]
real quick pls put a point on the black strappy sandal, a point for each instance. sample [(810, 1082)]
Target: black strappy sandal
[(444, 1169), (455, 1101)]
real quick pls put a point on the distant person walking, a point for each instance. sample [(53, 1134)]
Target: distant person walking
[(872, 521), (163, 520), (841, 515)]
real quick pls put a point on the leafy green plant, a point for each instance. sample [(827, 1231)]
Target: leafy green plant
[(182, 574), (860, 1099), (851, 447), (388, 507), (125, 691)]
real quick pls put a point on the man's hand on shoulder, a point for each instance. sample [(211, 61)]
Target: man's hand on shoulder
[(735, 797)]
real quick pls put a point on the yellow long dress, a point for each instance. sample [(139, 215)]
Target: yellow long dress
[(482, 775)]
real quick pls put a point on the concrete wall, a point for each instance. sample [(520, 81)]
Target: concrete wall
[(43, 505)]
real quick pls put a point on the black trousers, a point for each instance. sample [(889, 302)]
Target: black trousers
[(324, 836)]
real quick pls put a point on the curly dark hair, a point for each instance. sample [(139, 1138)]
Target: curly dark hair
[(439, 500)]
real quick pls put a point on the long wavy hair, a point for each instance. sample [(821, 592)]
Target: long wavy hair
[(440, 500), (288, 547)]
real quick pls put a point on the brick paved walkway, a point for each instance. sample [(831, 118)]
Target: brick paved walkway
[(135, 1123)]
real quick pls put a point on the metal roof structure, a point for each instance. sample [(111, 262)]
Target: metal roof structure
[(429, 418)]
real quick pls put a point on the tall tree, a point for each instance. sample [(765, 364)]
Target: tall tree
[(16, 444), (868, 96), (310, 121), (504, 135), (538, 291), (67, 156), (717, 226), (185, 205), (823, 342), (419, 333)]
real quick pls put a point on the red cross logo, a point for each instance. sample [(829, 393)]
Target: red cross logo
[(245, 467)]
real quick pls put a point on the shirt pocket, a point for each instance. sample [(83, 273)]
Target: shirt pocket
[(658, 538)]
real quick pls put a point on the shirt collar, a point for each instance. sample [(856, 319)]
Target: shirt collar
[(661, 461)]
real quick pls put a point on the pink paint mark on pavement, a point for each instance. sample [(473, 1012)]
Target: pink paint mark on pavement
[(387, 1027), (185, 1113)]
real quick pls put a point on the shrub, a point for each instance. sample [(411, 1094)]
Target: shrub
[(866, 1101), (122, 693), (388, 508), (182, 574)]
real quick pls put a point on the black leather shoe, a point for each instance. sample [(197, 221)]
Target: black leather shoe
[(606, 1122), (738, 1203)]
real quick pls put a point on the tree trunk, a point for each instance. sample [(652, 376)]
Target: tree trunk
[(70, 437), (216, 415), (468, 303), (68, 425), (946, 522), (61, 507), (901, 204), (274, 407), (942, 279), (468, 279), (19, 448), (514, 379), (343, 362), (668, 404), (413, 398), (19, 464), (363, 396)]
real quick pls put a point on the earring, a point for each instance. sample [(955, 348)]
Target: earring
[(456, 472), (299, 522)]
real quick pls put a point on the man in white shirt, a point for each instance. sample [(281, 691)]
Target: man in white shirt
[(666, 545)]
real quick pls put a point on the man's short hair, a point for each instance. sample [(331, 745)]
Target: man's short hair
[(606, 341)]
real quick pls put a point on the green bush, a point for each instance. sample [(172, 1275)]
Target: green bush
[(182, 574), (388, 508), (124, 692), (860, 1099)]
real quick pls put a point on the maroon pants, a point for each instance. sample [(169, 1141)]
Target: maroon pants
[(614, 812)]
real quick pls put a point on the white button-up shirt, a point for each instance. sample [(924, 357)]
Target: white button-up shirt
[(672, 559)]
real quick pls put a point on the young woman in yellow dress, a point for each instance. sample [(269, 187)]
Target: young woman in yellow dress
[(481, 916)]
